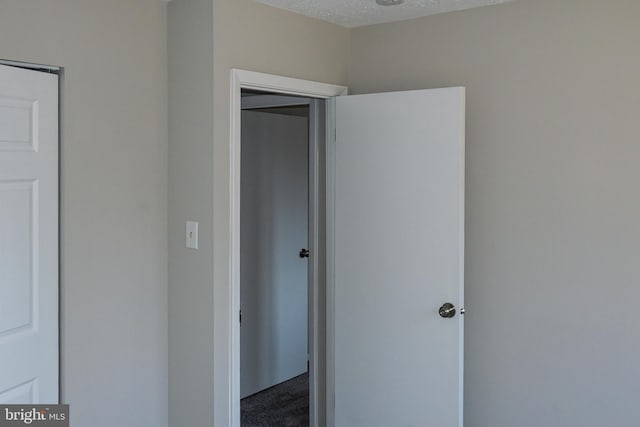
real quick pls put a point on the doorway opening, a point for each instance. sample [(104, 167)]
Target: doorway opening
[(278, 195), (228, 383)]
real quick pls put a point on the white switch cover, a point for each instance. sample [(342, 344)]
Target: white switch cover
[(192, 235)]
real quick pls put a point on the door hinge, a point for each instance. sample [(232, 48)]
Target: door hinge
[(240, 317)]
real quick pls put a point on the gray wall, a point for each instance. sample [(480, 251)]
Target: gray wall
[(113, 201), (274, 210), (190, 27), (552, 198), (243, 34)]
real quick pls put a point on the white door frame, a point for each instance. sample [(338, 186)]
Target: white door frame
[(243, 79)]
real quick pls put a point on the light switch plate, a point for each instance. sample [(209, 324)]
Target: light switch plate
[(192, 235)]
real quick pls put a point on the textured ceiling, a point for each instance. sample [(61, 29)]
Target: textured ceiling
[(355, 13)]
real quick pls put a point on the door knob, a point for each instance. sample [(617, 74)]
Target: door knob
[(447, 310), (304, 253)]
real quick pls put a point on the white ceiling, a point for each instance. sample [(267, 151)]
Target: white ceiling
[(356, 13)]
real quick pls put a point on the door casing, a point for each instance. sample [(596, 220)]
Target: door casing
[(227, 383)]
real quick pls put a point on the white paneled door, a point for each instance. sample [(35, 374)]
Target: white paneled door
[(399, 259), (28, 236)]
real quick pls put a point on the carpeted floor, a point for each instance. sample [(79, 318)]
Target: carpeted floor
[(283, 405)]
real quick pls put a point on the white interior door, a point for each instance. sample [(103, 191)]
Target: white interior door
[(274, 228), (398, 246), (28, 236)]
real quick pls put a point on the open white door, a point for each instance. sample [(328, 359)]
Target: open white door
[(28, 236), (398, 258)]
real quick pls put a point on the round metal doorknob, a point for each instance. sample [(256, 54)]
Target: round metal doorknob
[(447, 310)]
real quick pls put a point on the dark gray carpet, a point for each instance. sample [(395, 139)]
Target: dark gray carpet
[(283, 405)]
